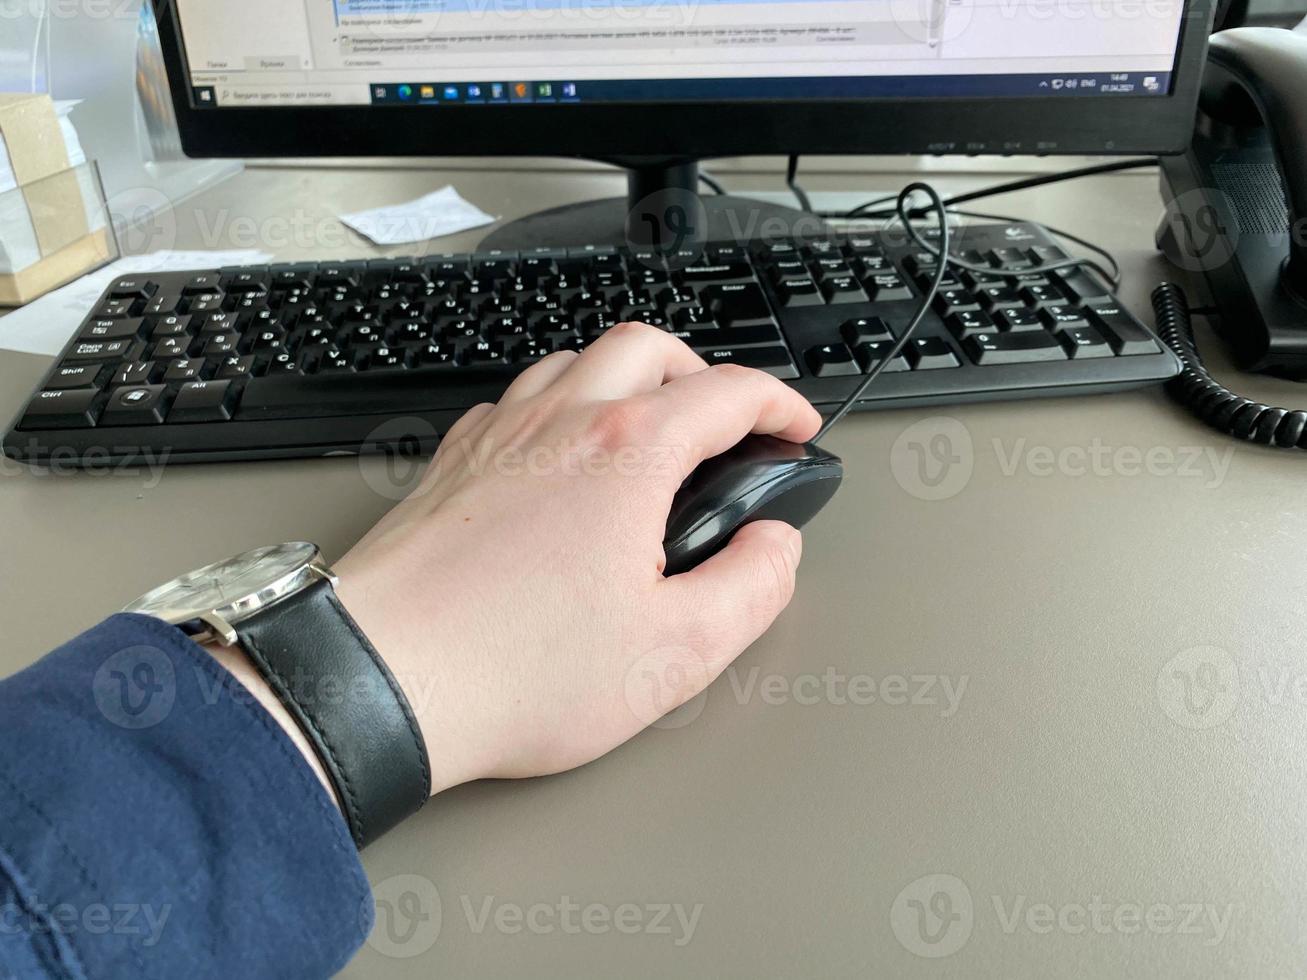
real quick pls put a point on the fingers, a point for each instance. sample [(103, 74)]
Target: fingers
[(739, 592), (539, 376), (630, 359), (707, 413)]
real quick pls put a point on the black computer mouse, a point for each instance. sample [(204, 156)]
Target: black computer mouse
[(761, 479)]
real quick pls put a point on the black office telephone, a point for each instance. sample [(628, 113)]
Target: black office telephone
[(1237, 213)]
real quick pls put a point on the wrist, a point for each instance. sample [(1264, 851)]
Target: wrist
[(433, 678), (236, 663)]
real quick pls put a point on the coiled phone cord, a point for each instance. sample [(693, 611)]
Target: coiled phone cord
[(1206, 397)]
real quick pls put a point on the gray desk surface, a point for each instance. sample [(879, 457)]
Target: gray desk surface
[(1107, 799)]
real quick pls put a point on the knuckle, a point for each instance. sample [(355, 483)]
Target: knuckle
[(617, 424), (632, 329), (736, 373)]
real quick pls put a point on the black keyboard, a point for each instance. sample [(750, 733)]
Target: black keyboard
[(315, 358)]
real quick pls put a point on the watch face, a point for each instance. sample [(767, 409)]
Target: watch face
[(239, 586)]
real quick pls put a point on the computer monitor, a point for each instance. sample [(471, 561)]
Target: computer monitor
[(655, 85)]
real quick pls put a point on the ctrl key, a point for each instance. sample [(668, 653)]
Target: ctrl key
[(71, 408), (204, 401)]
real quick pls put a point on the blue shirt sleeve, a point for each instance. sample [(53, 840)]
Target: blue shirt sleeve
[(156, 822)]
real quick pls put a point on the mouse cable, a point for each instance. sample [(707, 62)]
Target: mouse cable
[(1007, 187), (955, 262), (922, 309), (1207, 398), (711, 182), (792, 182)]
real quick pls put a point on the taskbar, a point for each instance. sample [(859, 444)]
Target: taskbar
[(1137, 84)]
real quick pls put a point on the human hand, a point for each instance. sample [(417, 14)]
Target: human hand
[(517, 594)]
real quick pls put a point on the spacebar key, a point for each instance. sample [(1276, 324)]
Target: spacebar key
[(371, 393), (775, 361)]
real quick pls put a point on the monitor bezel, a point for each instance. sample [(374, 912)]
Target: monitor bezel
[(674, 131)]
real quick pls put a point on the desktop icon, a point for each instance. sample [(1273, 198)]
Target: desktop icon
[(544, 90), (1151, 83), (379, 92), (427, 91), (405, 91), (496, 90), (451, 93), (569, 90), (521, 92), (474, 91), (1058, 83)]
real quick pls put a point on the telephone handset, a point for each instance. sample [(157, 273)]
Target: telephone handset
[(1237, 213)]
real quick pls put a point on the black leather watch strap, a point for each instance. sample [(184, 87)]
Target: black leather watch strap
[(317, 660)]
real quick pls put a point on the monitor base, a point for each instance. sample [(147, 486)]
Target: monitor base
[(662, 211), (725, 218)]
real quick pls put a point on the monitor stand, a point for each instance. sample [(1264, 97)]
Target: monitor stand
[(662, 210)]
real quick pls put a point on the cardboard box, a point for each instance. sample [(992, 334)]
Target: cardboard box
[(52, 222)]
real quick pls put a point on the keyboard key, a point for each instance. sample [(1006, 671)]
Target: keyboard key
[(235, 367), (1039, 296), (1085, 342), (776, 361), (869, 355), (928, 353), (136, 373), (951, 301), (111, 329), (101, 350), (1063, 318), (736, 303), (144, 405), (74, 408), (184, 369), (843, 289), (115, 308), (1019, 321), (1122, 331), (801, 291), (1014, 348), (832, 360), (865, 330), (887, 288), (133, 287), (171, 326), (1083, 288), (968, 323), (73, 376), (716, 273), (204, 401)]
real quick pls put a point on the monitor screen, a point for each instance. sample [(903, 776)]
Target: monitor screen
[(435, 53)]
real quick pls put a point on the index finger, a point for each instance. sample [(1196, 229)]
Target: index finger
[(706, 413)]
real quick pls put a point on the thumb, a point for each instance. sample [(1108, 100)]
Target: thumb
[(736, 595)]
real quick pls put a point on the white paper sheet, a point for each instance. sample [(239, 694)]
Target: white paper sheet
[(439, 213), (44, 325)]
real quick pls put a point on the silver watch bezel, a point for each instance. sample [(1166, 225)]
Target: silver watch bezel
[(209, 622)]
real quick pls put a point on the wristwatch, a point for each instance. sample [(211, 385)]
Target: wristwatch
[(279, 604)]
